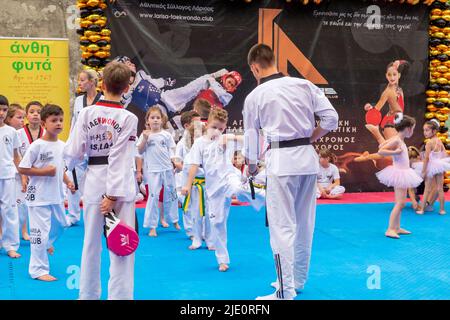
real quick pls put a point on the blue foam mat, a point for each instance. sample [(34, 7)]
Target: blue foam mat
[(348, 241)]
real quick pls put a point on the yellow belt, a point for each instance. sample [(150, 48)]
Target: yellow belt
[(199, 183), (259, 186)]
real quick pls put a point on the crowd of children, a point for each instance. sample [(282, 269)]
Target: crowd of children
[(203, 174), (37, 165)]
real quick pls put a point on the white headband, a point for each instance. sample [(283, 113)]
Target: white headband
[(435, 121), (398, 118)]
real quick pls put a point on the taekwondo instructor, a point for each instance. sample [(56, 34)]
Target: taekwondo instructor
[(285, 109)]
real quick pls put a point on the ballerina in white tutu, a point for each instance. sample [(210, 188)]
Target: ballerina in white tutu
[(435, 164), (399, 175)]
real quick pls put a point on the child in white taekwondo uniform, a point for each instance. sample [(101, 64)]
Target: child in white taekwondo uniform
[(328, 178), (195, 204), (285, 109), (106, 132), (9, 161), (87, 83), (43, 162), (158, 149), (214, 153), (15, 119), (180, 153), (29, 133)]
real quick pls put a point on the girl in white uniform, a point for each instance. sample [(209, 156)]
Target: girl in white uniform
[(87, 82), (9, 161), (15, 119), (328, 178), (27, 134), (158, 149)]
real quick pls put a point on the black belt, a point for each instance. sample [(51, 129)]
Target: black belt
[(95, 161), (290, 143)]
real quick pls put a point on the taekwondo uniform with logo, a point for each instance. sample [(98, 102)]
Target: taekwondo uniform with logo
[(222, 182), (9, 141), (25, 139), (158, 172), (77, 175), (284, 108), (45, 201), (107, 134)]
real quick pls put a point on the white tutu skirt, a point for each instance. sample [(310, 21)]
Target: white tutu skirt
[(437, 166), (399, 178)]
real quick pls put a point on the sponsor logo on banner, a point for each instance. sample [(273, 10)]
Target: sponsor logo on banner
[(271, 34)]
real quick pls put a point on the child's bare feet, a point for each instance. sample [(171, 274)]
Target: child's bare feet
[(26, 236), (414, 205), (176, 226), (211, 248), (442, 212), (403, 231), (192, 247), (223, 267), (392, 234), (13, 254), (164, 224), (47, 278), (51, 250), (152, 233)]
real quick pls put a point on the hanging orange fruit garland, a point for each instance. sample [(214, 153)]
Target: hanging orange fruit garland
[(438, 96), (95, 38)]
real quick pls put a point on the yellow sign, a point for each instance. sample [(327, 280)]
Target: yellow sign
[(36, 69)]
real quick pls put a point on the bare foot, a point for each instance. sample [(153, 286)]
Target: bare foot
[(211, 248), (392, 234), (192, 247), (152, 233), (13, 254), (176, 226), (223, 267), (26, 236), (403, 231), (442, 212), (164, 224), (414, 205), (47, 278), (51, 250)]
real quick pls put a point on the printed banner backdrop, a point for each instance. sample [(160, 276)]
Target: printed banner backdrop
[(36, 69), (344, 47)]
